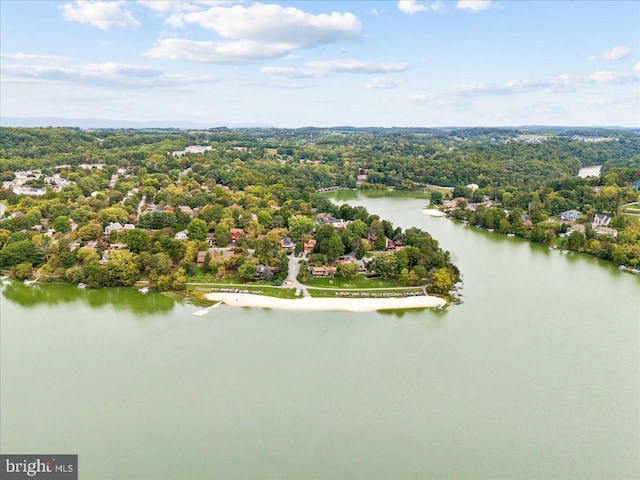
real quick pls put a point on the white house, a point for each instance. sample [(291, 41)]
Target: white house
[(113, 227), (182, 235), (601, 220), (571, 215)]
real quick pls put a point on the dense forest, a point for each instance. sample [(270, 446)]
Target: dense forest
[(111, 207)]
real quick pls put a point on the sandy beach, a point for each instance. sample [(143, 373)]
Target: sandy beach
[(325, 304), (434, 213)]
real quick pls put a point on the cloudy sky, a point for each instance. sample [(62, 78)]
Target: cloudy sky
[(324, 63)]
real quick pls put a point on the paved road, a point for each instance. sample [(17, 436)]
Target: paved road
[(294, 269)]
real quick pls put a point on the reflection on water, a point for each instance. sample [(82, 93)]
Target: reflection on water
[(124, 299)]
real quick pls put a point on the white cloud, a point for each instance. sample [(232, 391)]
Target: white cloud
[(108, 74), (473, 5), (559, 84), (615, 53), (412, 6), (100, 73), (232, 53), (254, 33), (358, 66), (384, 83), (610, 78), (291, 72), (103, 15), (277, 24), (637, 68), (165, 6), (37, 58)]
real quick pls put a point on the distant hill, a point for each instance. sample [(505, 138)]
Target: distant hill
[(107, 123)]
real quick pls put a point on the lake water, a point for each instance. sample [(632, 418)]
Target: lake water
[(535, 376), (592, 171)]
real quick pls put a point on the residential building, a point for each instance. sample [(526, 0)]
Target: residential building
[(571, 215)]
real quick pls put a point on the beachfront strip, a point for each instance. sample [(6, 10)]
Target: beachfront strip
[(327, 304)]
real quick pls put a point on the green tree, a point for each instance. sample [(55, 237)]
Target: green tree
[(299, 225), (441, 281), (223, 235), (248, 269), (198, 229), (61, 224), (348, 270), (385, 265), (335, 247), (122, 268), (137, 240)]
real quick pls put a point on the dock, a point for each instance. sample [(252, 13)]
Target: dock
[(204, 311)]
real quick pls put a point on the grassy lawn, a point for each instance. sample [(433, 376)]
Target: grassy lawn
[(332, 293), (360, 282), (259, 289)]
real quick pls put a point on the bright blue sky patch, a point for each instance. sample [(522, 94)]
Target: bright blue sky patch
[(292, 64)]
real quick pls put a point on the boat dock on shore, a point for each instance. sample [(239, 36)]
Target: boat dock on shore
[(204, 311)]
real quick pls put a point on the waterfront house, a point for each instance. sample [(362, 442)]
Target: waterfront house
[(201, 255), (324, 272)]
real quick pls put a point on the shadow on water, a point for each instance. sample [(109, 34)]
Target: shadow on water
[(120, 298), (416, 313)]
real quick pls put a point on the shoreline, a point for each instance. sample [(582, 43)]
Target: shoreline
[(326, 304), (433, 212)]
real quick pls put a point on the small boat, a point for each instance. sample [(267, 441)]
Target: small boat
[(82, 285), (144, 290), (29, 282), (511, 234), (553, 247)]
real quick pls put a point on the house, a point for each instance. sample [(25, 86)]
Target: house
[(323, 218), (200, 257), (169, 209), (187, 210), (113, 227), (309, 246), (389, 245), (338, 223), (182, 235), (576, 228), (324, 272), (211, 239), (236, 233), (128, 226), (570, 216), (265, 271), (287, 243), (606, 231), (361, 178), (600, 220)]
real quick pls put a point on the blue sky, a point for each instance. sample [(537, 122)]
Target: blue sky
[(293, 64)]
